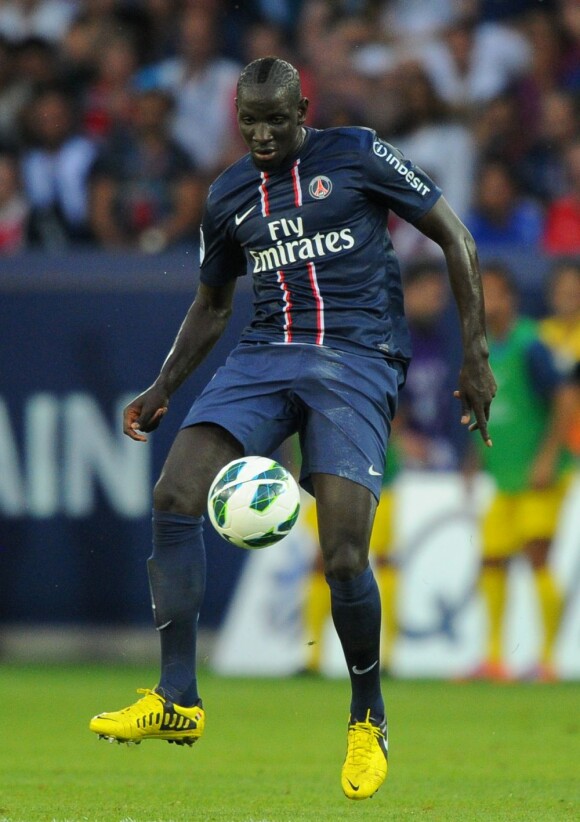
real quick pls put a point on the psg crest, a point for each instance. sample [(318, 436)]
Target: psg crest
[(320, 187)]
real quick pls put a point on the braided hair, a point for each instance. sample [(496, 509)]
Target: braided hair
[(273, 72)]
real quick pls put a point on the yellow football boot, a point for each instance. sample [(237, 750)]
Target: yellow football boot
[(151, 717), (365, 766)]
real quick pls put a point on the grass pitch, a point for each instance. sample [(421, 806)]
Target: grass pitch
[(273, 749)]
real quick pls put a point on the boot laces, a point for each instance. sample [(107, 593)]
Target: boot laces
[(361, 741), (150, 701)]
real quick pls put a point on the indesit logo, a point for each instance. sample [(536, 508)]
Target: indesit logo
[(383, 151), (320, 187)]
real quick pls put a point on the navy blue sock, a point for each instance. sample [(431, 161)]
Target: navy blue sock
[(356, 613), (177, 582)]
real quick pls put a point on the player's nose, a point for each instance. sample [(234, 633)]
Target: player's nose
[(262, 133)]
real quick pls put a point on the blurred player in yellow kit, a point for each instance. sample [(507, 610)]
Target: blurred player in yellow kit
[(561, 331), (529, 465)]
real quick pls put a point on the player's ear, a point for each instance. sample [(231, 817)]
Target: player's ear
[(302, 109)]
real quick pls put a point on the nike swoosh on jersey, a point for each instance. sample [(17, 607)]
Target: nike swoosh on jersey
[(374, 473), (359, 671), (239, 218)]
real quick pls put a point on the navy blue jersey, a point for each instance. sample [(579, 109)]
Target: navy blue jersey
[(313, 236)]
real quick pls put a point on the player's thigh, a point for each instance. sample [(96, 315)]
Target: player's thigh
[(194, 459), (350, 401), (499, 529), (539, 512), (345, 514), (248, 396)]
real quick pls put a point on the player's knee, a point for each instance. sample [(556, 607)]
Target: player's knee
[(494, 562), (346, 562), (171, 496), (537, 553)]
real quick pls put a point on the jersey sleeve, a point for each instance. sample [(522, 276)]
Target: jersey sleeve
[(396, 182), (220, 258)]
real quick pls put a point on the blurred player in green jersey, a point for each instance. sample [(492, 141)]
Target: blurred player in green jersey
[(529, 465)]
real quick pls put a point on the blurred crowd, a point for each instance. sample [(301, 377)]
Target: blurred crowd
[(116, 114)]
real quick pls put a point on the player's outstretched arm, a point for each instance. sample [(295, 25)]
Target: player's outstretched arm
[(476, 382), (203, 325)]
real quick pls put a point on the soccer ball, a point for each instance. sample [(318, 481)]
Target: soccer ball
[(253, 502)]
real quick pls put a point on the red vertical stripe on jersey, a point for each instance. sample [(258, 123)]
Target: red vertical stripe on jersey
[(287, 307), (296, 184), (319, 303), (264, 195)]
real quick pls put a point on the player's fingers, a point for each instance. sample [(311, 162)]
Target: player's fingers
[(487, 409), (465, 409), (133, 425), (465, 412), (130, 415), (134, 433), (481, 425), (149, 422)]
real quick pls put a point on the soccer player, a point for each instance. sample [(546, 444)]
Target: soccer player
[(304, 213), (529, 465), (560, 330)]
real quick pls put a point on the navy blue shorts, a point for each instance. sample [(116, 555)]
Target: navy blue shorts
[(341, 404)]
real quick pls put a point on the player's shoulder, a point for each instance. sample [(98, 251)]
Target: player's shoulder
[(232, 176), (528, 327), (361, 142), (552, 328), (221, 192), (355, 138), (527, 334)]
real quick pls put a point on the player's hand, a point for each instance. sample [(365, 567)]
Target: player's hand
[(477, 388), (144, 413)]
